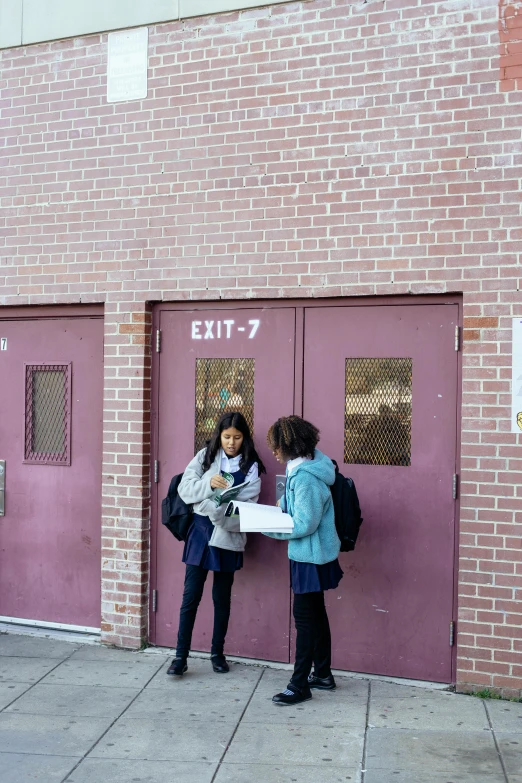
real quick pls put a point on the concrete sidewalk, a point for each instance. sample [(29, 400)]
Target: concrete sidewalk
[(83, 713)]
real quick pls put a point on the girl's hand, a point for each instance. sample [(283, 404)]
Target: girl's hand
[(218, 482)]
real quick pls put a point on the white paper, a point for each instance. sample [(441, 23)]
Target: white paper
[(127, 64), (516, 385), (256, 518)]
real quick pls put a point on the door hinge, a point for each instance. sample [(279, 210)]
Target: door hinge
[(452, 633), (156, 471), (154, 600), (158, 340), (455, 486), (457, 338)]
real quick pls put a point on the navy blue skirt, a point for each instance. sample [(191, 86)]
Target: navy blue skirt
[(198, 552), (311, 578)]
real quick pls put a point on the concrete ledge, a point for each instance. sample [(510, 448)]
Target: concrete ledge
[(34, 21), (47, 20), (10, 23), (190, 8)]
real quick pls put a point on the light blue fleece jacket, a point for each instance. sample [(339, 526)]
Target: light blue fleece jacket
[(309, 503)]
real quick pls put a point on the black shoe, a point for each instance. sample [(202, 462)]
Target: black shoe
[(322, 683), (178, 666), (292, 695), (219, 664)]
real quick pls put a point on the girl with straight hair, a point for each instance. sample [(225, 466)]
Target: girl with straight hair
[(214, 542), (313, 547)]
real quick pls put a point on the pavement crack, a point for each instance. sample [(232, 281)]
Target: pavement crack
[(366, 729), (229, 743), (124, 710), (31, 685), (500, 758)]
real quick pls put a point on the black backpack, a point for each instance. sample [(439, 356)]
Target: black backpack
[(176, 515), (346, 509)]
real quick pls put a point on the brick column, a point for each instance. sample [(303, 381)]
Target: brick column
[(126, 482)]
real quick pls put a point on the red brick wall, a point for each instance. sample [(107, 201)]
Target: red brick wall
[(319, 148)]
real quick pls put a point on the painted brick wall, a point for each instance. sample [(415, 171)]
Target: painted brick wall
[(315, 148)]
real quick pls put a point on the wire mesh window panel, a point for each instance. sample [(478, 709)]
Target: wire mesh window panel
[(47, 414), (222, 385), (377, 419)]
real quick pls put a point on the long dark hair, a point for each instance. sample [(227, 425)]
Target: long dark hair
[(249, 454)]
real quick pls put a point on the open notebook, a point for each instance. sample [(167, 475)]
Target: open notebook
[(257, 518)]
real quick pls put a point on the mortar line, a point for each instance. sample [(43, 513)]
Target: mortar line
[(500, 758), (31, 685), (365, 744), (229, 743), (102, 735)]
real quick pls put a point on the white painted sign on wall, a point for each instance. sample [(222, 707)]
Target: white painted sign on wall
[(516, 386), (127, 63)]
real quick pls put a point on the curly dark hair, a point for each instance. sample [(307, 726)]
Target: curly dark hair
[(249, 454), (294, 437)]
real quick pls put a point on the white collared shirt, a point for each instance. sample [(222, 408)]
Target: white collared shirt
[(231, 465), (293, 463)]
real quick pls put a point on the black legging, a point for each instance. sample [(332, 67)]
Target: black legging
[(313, 643), (195, 578)]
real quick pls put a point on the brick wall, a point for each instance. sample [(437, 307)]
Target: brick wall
[(317, 148)]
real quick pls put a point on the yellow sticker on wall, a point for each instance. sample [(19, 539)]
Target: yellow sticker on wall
[(519, 419)]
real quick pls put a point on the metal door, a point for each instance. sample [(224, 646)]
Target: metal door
[(392, 612), (212, 361), (51, 440)]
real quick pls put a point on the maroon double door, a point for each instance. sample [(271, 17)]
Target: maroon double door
[(381, 383)]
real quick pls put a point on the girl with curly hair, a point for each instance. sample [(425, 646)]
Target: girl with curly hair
[(214, 542), (313, 547)]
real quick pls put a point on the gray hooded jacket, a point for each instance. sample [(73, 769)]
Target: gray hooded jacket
[(195, 488)]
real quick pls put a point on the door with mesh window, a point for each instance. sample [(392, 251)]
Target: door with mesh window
[(381, 384), (51, 372), (213, 361)]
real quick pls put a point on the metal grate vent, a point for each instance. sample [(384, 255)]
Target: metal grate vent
[(222, 385), (377, 422), (47, 414)]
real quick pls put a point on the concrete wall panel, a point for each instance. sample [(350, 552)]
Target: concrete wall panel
[(201, 7), (46, 20), (10, 23)]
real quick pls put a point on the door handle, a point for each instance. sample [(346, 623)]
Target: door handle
[(280, 487), (2, 487)]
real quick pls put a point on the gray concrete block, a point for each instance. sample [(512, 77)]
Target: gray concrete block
[(9, 691), (24, 646), (201, 676), (505, 715), (351, 689), (284, 773), (297, 744), (510, 746), (74, 700), (10, 23), (178, 704), (393, 690), (100, 652), (162, 740), (27, 768), (120, 771), (52, 19), (113, 674), (436, 711), (49, 735), (24, 669), (439, 752), (325, 709), (402, 776)]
